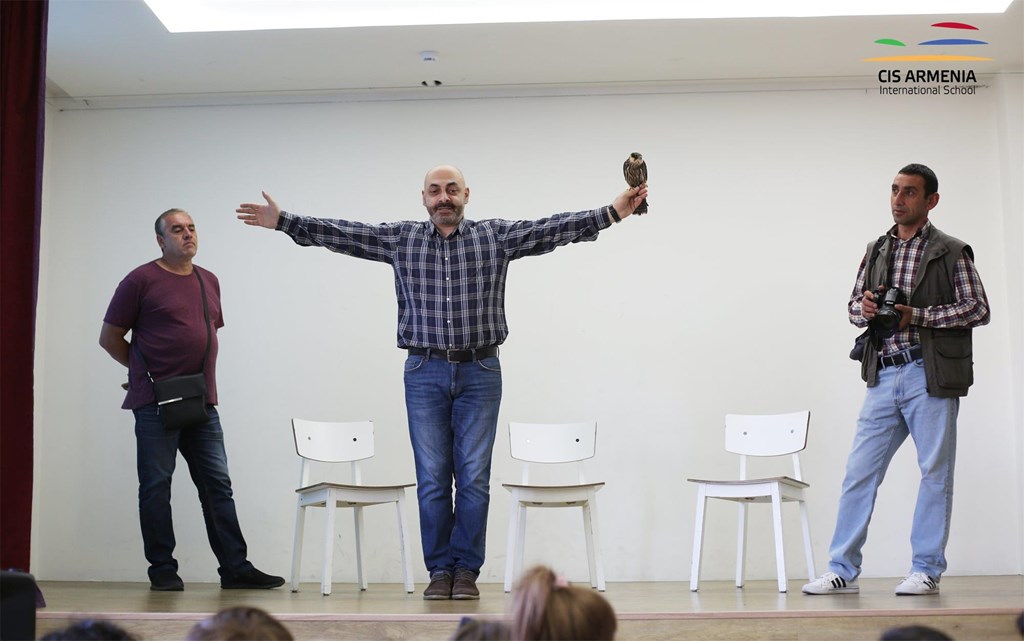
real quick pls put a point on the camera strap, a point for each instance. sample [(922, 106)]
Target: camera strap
[(868, 268)]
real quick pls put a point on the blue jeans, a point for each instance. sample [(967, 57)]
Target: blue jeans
[(202, 448), (453, 418), (897, 407)]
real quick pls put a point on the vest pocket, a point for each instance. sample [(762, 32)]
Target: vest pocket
[(954, 366)]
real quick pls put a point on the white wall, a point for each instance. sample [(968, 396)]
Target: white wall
[(729, 297)]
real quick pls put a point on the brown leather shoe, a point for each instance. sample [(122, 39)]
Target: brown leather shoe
[(464, 588), (440, 588)]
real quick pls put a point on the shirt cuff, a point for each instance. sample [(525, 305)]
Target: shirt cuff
[(286, 222), (603, 217)]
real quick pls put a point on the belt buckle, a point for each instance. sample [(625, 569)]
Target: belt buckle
[(448, 355)]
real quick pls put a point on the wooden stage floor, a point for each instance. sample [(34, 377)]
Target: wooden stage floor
[(983, 607)]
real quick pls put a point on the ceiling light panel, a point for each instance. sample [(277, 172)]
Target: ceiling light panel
[(253, 15)]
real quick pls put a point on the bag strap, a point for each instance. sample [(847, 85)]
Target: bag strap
[(206, 318)]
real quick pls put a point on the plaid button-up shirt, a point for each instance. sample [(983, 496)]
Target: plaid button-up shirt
[(969, 310), (451, 291)]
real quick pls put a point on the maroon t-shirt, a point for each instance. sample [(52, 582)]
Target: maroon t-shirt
[(164, 312)]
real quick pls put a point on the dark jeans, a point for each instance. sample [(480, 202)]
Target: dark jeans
[(453, 417), (203, 450)]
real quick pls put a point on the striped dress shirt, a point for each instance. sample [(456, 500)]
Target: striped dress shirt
[(451, 291)]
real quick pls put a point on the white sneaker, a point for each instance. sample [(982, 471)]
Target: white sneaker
[(918, 583), (831, 583)]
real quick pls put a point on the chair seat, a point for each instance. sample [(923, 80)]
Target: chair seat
[(349, 486), (576, 486), (552, 495), (785, 480), (345, 495)]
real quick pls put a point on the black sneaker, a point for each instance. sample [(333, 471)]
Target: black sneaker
[(251, 580), (166, 581)]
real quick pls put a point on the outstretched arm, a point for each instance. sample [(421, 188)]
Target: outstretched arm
[(629, 200), (260, 215)]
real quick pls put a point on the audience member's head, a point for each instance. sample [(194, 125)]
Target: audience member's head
[(239, 624), (89, 630), (546, 608), (1020, 624), (482, 629), (914, 633)]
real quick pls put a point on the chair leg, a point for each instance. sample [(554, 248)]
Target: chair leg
[(300, 526), (593, 533), (808, 550), (510, 546), (780, 555), (403, 543), (741, 545), (520, 540), (698, 537), (327, 568), (357, 516)]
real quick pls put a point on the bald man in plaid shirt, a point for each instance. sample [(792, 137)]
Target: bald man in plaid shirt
[(450, 282)]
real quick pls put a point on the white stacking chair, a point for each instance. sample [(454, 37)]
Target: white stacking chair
[(761, 436), (342, 442), (553, 443)]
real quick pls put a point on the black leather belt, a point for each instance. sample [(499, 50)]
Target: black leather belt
[(902, 358), (455, 355)]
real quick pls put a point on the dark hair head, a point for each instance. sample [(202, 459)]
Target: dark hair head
[(931, 182), (158, 226), (89, 630), (239, 624), (914, 633), (546, 608)]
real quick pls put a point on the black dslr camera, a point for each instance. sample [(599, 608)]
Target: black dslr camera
[(887, 321)]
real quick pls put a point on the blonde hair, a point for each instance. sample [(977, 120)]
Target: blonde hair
[(546, 608)]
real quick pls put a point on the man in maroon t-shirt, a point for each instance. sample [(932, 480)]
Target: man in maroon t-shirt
[(161, 304)]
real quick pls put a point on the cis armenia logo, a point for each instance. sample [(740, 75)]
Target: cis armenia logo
[(915, 80)]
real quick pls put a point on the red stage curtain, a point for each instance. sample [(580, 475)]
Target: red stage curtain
[(23, 84)]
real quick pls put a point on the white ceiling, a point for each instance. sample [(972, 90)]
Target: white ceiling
[(115, 53)]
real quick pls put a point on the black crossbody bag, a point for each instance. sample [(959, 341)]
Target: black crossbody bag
[(181, 400)]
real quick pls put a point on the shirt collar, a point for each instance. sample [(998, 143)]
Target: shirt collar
[(461, 229), (920, 233)]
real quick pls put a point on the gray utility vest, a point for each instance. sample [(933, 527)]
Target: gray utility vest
[(948, 353)]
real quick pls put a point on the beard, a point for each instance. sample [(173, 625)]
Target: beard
[(446, 214)]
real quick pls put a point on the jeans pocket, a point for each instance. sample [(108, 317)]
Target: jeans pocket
[(491, 364), (413, 363)]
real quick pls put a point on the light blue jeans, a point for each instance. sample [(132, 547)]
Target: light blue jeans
[(453, 418), (897, 407)]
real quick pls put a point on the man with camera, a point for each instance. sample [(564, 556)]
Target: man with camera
[(919, 293)]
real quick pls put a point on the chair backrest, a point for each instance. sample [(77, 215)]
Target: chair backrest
[(552, 443), (767, 435), (332, 442)]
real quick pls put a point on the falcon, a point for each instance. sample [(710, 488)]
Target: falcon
[(635, 171)]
